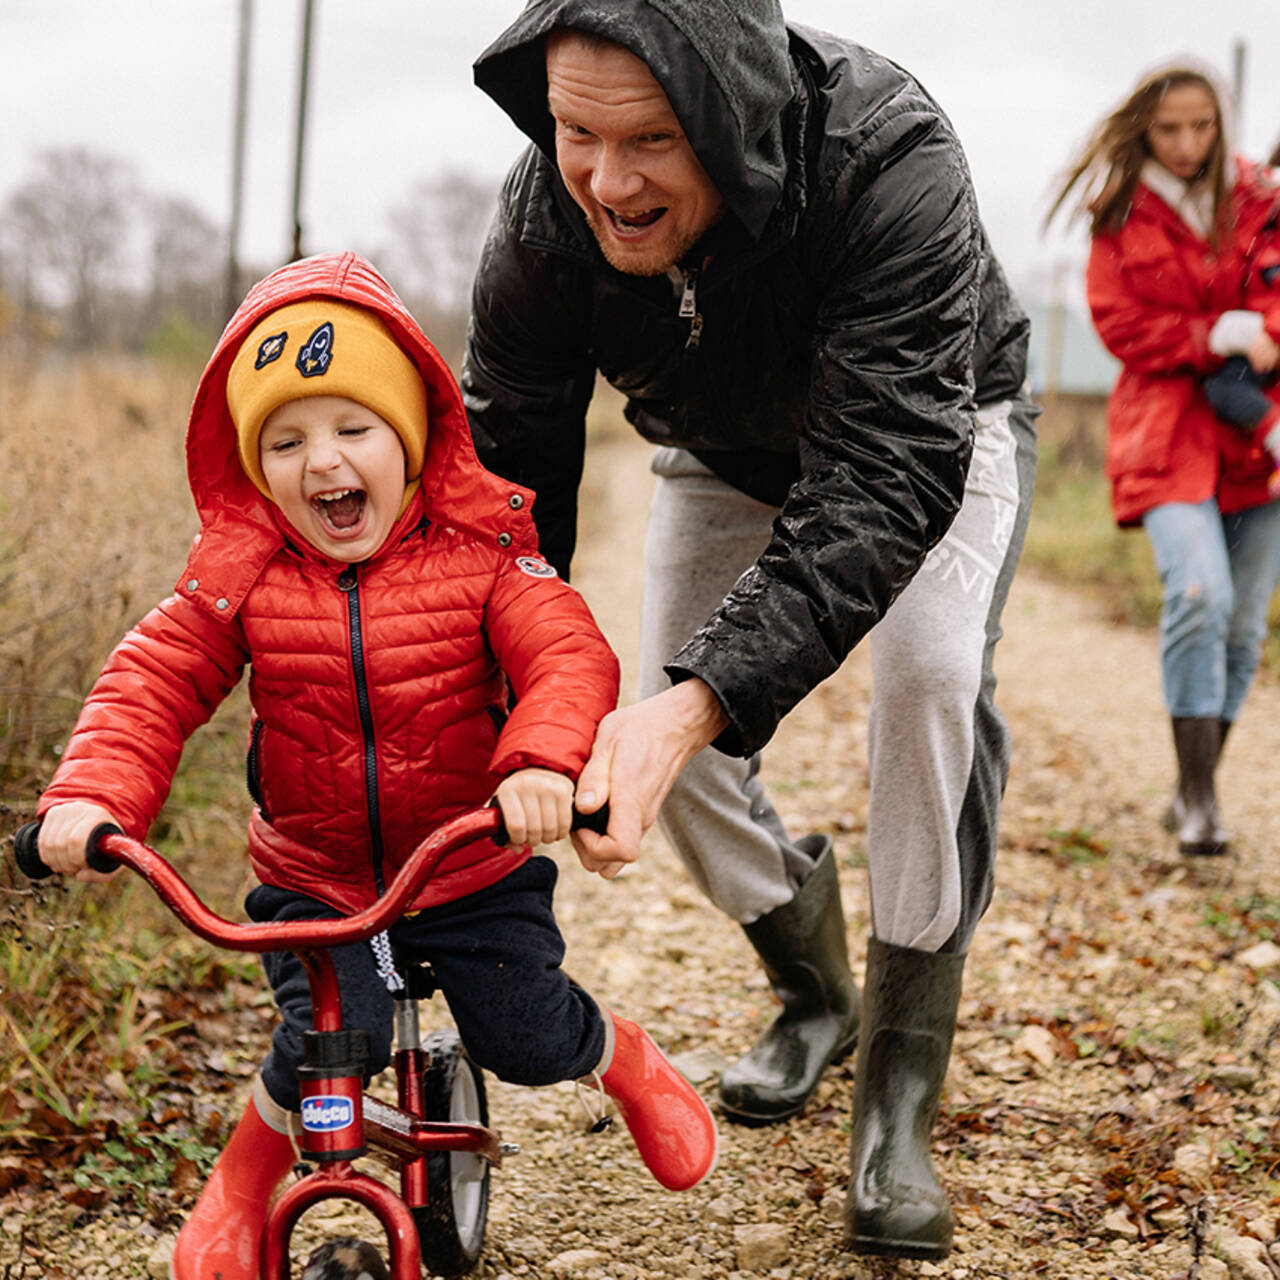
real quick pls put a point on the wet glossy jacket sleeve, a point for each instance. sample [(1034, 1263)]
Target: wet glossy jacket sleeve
[(887, 436)]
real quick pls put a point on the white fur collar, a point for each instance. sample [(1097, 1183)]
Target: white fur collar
[(1192, 203)]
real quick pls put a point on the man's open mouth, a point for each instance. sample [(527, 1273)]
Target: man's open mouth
[(635, 221), (341, 510)]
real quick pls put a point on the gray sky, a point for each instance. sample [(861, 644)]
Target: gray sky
[(392, 100)]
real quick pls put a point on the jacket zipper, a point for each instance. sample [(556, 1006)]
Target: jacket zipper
[(348, 582), (251, 764), (688, 309)]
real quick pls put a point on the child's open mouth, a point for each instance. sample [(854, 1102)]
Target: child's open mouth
[(341, 511)]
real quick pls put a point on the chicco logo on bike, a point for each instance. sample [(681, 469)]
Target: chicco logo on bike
[(324, 1114)]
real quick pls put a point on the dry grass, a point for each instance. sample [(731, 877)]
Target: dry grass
[(95, 522), (1073, 536)]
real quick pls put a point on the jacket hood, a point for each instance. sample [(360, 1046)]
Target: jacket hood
[(240, 528), (723, 64)]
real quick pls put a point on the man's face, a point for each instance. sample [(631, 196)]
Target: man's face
[(624, 157)]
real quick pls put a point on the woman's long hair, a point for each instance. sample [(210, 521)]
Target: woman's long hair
[(1109, 167)]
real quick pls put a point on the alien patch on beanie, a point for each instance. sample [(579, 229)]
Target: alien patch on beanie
[(316, 354)]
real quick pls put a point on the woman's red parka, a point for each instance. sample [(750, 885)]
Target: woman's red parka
[(378, 690), (1155, 290)]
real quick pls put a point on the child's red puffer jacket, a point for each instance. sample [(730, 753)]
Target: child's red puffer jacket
[(378, 692)]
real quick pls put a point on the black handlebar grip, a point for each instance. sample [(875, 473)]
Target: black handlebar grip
[(97, 860), (26, 850), (598, 822)]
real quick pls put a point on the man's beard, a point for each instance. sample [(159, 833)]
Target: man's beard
[(642, 262)]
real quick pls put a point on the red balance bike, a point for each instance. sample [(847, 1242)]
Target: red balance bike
[(437, 1136)]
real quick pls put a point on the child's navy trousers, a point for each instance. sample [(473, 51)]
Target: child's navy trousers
[(496, 954)]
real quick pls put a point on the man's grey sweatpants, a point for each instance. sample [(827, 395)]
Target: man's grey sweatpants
[(938, 749)]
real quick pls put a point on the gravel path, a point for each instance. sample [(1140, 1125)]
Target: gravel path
[(1111, 1108)]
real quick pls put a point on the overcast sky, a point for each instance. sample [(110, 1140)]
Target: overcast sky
[(392, 100)]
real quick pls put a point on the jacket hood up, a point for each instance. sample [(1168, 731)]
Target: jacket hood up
[(723, 64), (240, 529)]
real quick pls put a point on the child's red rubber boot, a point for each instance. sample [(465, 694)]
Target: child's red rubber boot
[(672, 1127), (219, 1241)]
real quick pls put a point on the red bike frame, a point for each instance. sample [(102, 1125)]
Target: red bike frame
[(345, 1120)]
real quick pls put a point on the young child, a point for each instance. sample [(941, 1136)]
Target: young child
[(383, 588)]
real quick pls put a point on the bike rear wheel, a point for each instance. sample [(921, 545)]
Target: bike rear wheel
[(451, 1226)]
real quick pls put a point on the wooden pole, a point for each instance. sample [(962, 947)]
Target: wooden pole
[(237, 155), (303, 76), (1238, 58)]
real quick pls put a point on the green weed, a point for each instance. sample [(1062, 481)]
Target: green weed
[(139, 1163), (1073, 536), (1076, 845), (1254, 917)]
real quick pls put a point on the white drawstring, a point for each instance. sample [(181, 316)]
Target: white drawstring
[(591, 1089), (381, 944)]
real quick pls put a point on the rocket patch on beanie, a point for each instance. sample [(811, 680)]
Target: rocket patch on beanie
[(341, 350), (314, 354)]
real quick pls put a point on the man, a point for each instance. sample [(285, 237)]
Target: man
[(767, 240)]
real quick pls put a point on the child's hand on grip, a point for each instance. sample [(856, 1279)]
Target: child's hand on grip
[(64, 837), (536, 805)]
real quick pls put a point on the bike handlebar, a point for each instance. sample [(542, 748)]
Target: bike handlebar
[(26, 850), (109, 847)]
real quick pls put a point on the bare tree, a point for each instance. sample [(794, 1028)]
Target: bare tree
[(186, 267), (71, 218), (438, 233)]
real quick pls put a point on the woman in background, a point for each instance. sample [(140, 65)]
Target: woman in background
[(1173, 218)]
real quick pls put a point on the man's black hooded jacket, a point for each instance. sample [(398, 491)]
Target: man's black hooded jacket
[(848, 315)]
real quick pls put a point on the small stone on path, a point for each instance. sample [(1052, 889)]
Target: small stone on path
[(762, 1246)]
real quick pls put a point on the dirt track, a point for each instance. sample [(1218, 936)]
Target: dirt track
[(1111, 1108)]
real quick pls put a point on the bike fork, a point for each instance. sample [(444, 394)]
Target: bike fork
[(340, 1181), (410, 1062)]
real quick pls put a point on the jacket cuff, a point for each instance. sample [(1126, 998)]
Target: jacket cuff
[(1234, 331), (506, 762)]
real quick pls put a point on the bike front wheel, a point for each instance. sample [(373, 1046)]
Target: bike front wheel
[(452, 1224), (346, 1259)]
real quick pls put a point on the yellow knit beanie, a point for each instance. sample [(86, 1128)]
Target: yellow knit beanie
[(324, 348)]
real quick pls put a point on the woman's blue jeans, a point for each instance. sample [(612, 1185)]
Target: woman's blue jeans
[(1218, 573)]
